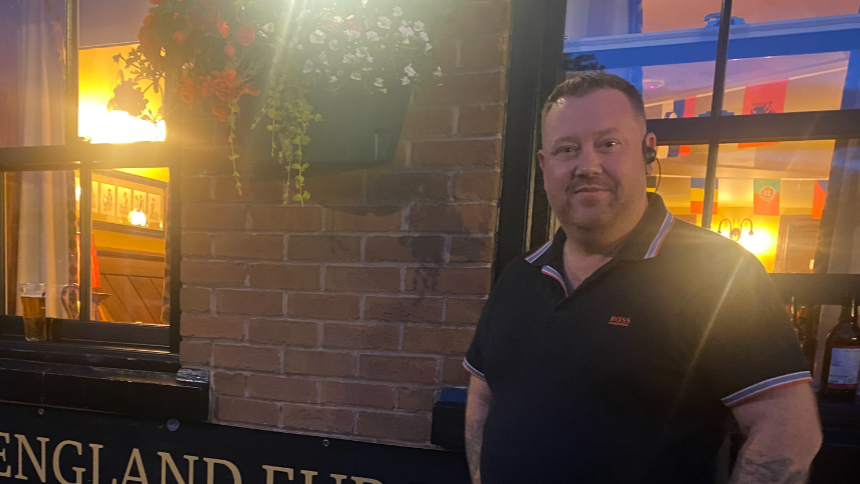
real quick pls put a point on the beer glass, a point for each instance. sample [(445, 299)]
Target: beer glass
[(33, 302)]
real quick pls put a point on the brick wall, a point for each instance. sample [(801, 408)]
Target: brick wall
[(345, 317)]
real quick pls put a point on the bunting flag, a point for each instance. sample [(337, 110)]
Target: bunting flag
[(818, 198), (765, 197), (685, 108), (764, 98), (697, 195)]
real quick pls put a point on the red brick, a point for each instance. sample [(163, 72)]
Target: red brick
[(483, 88), (212, 216), (410, 427), (196, 244), (447, 51), (195, 299), (485, 52), (472, 249), (257, 246), (427, 124), (248, 411), (464, 311), (228, 383), (483, 17), (360, 336), (362, 279), (436, 340), (206, 162), (294, 333), (269, 191), (453, 218), (323, 306), (283, 276), (335, 188), (256, 303), (364, 219), (406, 187), (213, 272), (284, 389), (398, 368), (318, 419), (206, 326), (473, 152), (195, 352), (404, 249), (319, 363), (416, 399), (358, 394), (403, 309), (480, 186), (286, 218), (324, 247), (247, 357), (196, 189), (486, 118), (448, 280), (453, 372)]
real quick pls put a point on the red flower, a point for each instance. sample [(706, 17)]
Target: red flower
[(229, 51), (175, 15), (179, 37), (148, 19), (224, 29), (156, 2), (246, 35), (250, 89), (220, 111), (221, 84), (187, 89)]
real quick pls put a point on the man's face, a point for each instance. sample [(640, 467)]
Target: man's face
[(592, 159)]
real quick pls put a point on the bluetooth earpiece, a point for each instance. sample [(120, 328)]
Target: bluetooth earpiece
[(648, 153)]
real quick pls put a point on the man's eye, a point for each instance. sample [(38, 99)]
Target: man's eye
[(610, 143), (566, 149)]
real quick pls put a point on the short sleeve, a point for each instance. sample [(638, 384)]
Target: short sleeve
[(748, 345)]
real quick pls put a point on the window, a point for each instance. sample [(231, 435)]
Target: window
[(87, 190), (785, 125)]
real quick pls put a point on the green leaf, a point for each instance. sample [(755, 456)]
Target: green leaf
[(305, 140), (296, 166), (270, 127), (306, 195), (297, 198), (300, 178), (305, 166)]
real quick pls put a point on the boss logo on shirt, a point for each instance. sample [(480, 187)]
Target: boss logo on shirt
[(619, 321)]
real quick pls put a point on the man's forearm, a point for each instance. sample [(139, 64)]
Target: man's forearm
[(758, 468), (474, 437)]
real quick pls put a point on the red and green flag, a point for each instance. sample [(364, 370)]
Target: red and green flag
[(765, 197), (765, 98), (818, 198)]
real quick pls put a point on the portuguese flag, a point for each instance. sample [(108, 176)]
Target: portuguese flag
[(766, 197)]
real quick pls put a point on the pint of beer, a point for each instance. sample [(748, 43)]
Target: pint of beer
[(33, 303)]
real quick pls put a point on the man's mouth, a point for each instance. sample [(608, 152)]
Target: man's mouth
[(589, 190)]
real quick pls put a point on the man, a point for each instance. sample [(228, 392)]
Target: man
[(615, 352)]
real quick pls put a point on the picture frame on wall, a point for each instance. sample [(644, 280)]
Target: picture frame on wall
[(107, 199), (124, 202)]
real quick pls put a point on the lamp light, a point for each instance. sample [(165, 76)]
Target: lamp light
[(735, 232)]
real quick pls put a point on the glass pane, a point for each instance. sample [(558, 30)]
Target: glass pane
[(129, 236), (111, 110), (31, 73), (679, 177), (669, 58), (797, 57), (771, 197), (40, 237)]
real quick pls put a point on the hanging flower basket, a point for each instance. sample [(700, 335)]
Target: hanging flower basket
[(333, 81)]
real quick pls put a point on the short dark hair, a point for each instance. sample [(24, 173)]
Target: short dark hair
[(585, 83)]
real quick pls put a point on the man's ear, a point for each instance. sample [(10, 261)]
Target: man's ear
[(541, 159), (649, 169), (651, 140)]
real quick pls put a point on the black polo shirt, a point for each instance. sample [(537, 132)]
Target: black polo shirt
[(630, 378)]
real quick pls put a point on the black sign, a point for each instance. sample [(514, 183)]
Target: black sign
[(50, 445)]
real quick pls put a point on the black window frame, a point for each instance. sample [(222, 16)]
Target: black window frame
[(535, 67), (84, 341)]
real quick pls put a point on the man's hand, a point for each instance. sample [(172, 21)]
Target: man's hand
[(783, 435), (477, 406)]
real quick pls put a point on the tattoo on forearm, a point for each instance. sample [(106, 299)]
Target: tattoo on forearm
[(776, 471), (474, 437)]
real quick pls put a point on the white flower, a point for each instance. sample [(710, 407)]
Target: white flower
[(293, 43), (379, 82), (405, 80), (349, 59), (373, 36), (406, 41), (419, 25), (409, 70), (423, 36), (384, 23), (269, 27), (337, 19), (353, 34), (309, 66), (356, 76), (406, 31), (398, 12), (323, 57), (332, 79), (318, 37), (333, 45), (427, 47), (438, 72)]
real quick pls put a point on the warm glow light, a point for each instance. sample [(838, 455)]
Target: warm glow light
[(78, 193), (137, 218), (104, 126), (759, 243)]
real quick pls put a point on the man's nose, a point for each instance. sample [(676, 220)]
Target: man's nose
[(589, 163)]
